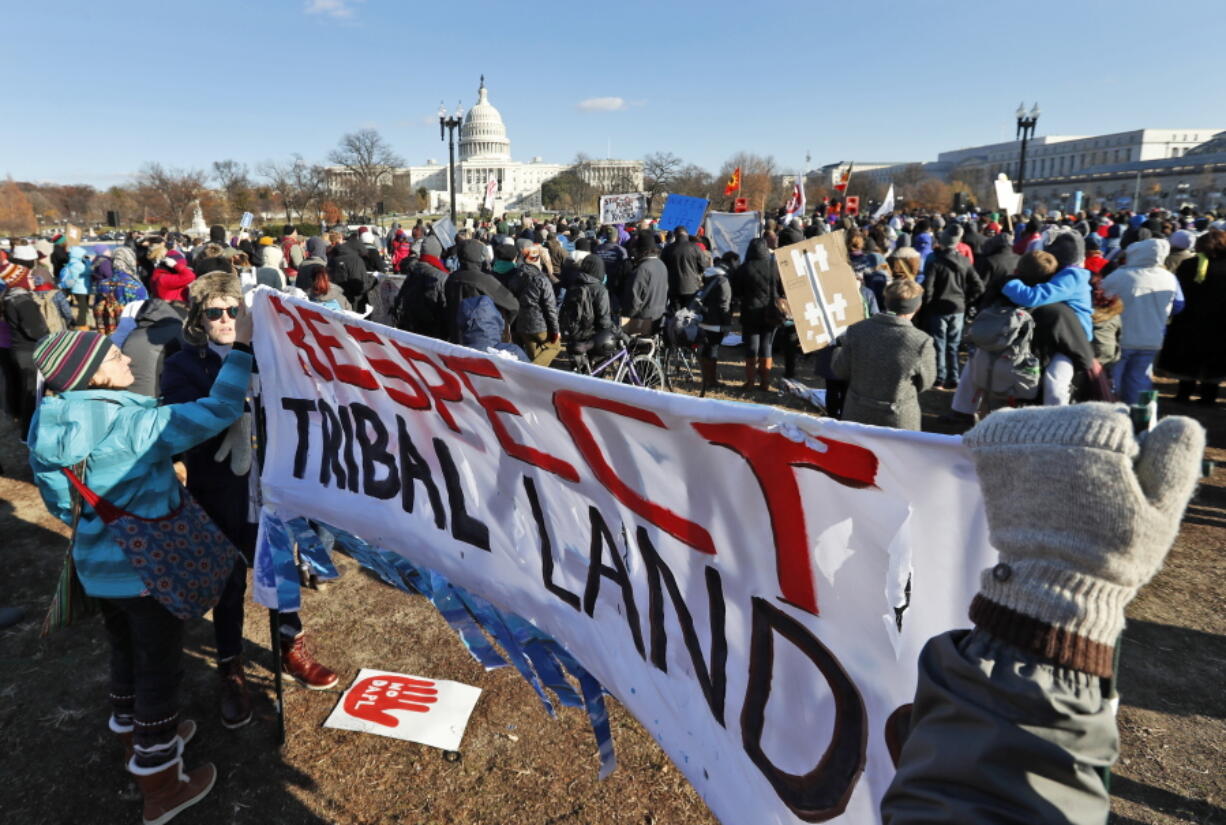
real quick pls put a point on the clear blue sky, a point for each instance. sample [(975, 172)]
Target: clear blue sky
[(96, 89)]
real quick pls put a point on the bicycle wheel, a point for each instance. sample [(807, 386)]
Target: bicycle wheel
[(647, 370)]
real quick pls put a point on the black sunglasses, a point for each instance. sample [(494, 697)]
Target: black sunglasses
[(214, 313)]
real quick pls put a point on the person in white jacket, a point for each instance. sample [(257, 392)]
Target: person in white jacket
[(1150, 293)]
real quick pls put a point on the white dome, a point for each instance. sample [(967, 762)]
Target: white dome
[(483, 136)]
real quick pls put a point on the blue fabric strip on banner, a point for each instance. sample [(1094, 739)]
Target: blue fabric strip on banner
[(597, 712), (275, 583), (538, 657), (311, 549)]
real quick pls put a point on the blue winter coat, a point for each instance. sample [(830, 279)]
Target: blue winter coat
[(75, 275), (129, 442), (1070, 285)]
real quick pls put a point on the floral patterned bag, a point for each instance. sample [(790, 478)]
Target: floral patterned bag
[(183, 558)]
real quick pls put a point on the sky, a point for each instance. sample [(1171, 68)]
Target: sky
[(104, 88)]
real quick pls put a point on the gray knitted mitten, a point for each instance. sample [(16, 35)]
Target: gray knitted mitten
[(1082, 516)]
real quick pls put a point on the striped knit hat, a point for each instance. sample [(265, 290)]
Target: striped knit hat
[(68, 360)]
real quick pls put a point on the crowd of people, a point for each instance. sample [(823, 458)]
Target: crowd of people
[(120, 361)]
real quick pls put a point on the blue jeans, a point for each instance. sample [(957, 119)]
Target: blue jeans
[(946, 332), (1133, 373)]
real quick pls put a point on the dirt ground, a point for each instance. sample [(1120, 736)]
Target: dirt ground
[(518, 766)]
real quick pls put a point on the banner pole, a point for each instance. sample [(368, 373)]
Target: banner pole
[(274, 626)]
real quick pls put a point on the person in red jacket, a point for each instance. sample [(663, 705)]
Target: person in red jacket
[(171, 277)]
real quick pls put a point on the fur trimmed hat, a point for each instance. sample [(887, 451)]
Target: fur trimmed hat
[(204, 289)]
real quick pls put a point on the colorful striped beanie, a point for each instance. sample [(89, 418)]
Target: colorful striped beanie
[(68, 360)]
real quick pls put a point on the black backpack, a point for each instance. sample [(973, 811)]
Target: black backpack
[(577, 317)]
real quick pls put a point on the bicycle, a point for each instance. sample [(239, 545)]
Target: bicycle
[(680, 364), (635, 363)]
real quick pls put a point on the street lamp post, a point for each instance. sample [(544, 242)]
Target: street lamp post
[(1025, 131), (447, 126)]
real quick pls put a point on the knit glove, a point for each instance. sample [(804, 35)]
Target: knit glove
[(1083, 516), (237, 445)]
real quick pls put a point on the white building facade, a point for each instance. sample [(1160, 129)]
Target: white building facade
[(484, 151)]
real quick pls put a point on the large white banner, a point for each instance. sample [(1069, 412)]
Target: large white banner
[(730, 572), (732, 231)]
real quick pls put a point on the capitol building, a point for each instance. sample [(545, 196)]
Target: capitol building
[(485, 150)]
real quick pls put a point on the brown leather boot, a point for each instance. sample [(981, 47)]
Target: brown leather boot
[(235, 701), (709, 375), (751, 366), (298, 662), (168, 790), (186, 730), (764, 373)]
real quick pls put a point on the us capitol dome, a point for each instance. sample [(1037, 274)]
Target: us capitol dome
[(485, 152)]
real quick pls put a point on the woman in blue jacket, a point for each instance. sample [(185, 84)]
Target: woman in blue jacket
[(75, 277), (127, 442)]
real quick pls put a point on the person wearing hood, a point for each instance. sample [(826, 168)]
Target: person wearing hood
[(716, 301), (1181, 248), (1070, 284), (221, 485), (645, 293), (996, 263), (469, 281), (271, 272), (217, 246), (27, 327), (421, 304), (123, 444), (1150, 293), (536, 325), (371, 257), (1195, 349), (155, 337), (951, 285), (171, 277), (317, 259), (683, 260), (756, 285), (75, 277), (124, 284), (585, 310), (347, 269)]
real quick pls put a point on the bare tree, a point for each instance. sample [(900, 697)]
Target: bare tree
[(311, 182), (659, 171), (761, 184), (16, 212), (282, 180), (369, 162), (177, 188), (74, 200), (235, 183)]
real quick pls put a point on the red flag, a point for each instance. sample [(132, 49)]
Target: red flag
[(734, 182)]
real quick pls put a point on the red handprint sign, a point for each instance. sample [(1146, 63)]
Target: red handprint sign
[(372, 698), (413, 708)]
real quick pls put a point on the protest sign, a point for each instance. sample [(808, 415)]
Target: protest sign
[(245, 221), (752, 583), (445, 230), (682, 210), (628, 208), (72, 233), (432, 712), (1007, 200), (821, 288), (732, 231)]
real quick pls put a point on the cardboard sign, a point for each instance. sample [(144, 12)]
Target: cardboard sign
[(1007, 200), (682, 210), (628, 208), (735, 574), (73, 234), (821, 288), (432, 712)]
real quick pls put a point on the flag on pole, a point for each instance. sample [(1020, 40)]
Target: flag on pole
[(796, 203), (844, 177), (734, 182), (491, 187), (887, 205)]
